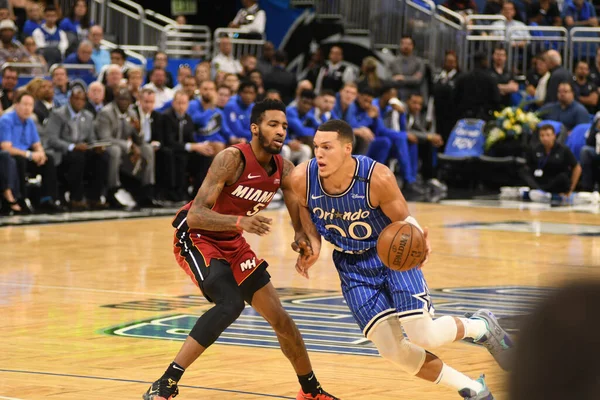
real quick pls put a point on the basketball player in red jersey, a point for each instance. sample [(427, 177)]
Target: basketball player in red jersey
[(210, 247)]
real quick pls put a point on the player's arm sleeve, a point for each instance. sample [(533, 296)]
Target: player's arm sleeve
[(385, 193), (224, 166)]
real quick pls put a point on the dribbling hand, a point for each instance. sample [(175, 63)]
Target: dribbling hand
[(256, 224)]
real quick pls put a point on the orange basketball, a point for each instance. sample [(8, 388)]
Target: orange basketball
[(401, 246)]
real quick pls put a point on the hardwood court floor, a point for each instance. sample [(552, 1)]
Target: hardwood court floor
[(56, 280)]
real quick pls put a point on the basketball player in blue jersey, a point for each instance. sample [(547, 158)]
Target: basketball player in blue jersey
[(348, 200)]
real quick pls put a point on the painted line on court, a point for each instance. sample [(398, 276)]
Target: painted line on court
[(101, 378), (81, 289)]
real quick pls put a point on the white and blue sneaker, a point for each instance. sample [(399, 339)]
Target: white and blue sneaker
[(469, 394), (496, 339)]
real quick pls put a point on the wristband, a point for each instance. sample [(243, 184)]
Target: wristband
[(237, 223), (413, 221), (28, 155)]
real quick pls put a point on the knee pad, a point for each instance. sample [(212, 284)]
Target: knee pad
[(429, 333), (392, 346)]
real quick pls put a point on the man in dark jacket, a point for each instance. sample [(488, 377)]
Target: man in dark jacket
[(558, 74), (476, 94), (281, 80)]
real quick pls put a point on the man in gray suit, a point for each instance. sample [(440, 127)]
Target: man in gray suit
[(70, 134), (127, 152)]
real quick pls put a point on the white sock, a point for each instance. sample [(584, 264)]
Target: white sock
[(454, 379), (474, 328)]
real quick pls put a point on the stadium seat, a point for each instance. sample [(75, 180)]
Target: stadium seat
[(576, 139)]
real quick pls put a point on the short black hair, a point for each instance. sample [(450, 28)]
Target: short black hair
[(327, 92), (386, 87), (50, 7), (408, 37), (21, 95), (258, 111), (366, 90), (547, 127), (280, 56), (307, 94), (341, 127), (121, 52), (246, 84)]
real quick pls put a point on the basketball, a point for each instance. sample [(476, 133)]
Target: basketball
[(401, 246)]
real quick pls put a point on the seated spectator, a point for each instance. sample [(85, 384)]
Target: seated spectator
[(135, 76), (161, 60), (114, 76), (504, 78), (256, 77), (233, 82), (493, 7), (19, 137), (78, 21), (345, 101), (595, 69), (223, 96), (202, 72), (476, 94), (179, 136), (10, 50), (538, 83), (273, 95), (544, 13), (369, 76), (566, 110), (225, 60), (117, 57), (250, 19), (590, 158), (60, 81), (463, 7), (509, 10), (83, 56), (158, 79), (70, 132), (10, 77), (9, 186), (335, 73), (586, 91), (407, 69), (95, 98), (301, 129), (35, 58), (558, 74), (34, 19), (127, 153), (183, 72), (265, 62), (100, 55), (281, 79), (324, 105), (551, 166), (237, 114), (44, 103), (301, 87), (248, 62), (579, 13), (49, 34)]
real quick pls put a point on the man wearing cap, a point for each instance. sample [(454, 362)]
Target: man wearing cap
[(9, 50)]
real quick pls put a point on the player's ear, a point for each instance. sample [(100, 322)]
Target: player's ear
[(254, 129), (348, 147)]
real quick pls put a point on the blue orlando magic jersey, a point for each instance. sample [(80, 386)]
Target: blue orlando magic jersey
[(346, 220)]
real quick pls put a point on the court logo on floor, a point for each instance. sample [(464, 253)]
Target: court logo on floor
[(323, 317)]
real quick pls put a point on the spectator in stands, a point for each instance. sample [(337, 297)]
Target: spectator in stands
[(250, 19), (181, 20), (49, 35), (544, 13), (463, 7), (44, 103), (346, 99), (407, 69), (95, 100), (566, 110), (280, 79), (558, 74), (113, 79), (302, 123), (78, 21), (179, 136), (71, 135), (249, 63), (369, 76), (590, 157), (4, 11), (115, 124), (34, 18), (444, 85), (135, 75), (273, 95), (157, 83), (10, 77), (225, 61), (10, 51), (493, 7), (224, 93), (161, 60), (183, 72), (35, 58), (202, 72), (237, 114), (83, 56), (265, 63), (324, 106), (586, 91), (19, 137), (117, 57), (256, 77), (233, 82), (188, 87), (503, 76), (476, 94), (9, 186), (302, 86), (100, 55), (60, 81), (579, 13), (551, 165), (520, 37), (335, 73)]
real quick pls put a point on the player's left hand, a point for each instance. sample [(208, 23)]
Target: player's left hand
[(427, 247), (306, 257)]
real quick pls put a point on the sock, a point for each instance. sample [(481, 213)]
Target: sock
[(474, 328), (309, 383), (454, 379), (175, 371)]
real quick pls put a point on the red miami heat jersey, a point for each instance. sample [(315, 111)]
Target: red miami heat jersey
[(252, 192)]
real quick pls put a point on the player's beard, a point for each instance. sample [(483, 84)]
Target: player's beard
[(206, 99), (262, 140)]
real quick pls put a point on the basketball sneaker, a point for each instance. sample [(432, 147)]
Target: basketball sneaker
[(469, 394), (496, 340), (162, 389), (322, 395)]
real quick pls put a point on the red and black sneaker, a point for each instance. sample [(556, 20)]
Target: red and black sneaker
[(322, 395), (162, 389)]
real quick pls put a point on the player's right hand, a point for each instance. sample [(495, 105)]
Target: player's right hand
[(256, 224)]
